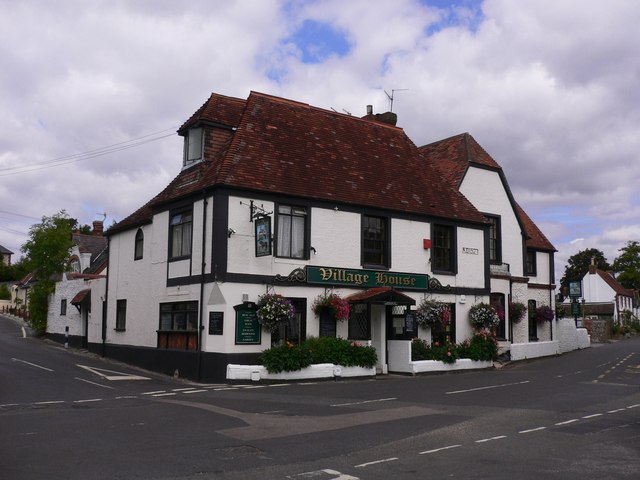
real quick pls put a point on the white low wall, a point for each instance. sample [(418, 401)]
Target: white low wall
[(569, 337), (256, 373), (520, 351), (399, 355)]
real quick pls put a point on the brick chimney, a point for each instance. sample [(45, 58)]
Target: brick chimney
[(592, 267), (98, 227), (389, 118)]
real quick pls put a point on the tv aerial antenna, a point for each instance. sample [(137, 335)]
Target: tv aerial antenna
[(390, 97)]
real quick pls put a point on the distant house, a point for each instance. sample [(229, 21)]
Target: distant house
[(70, 305), (5, 255), (605, 298), (277, 196)]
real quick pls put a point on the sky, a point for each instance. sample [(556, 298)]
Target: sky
[(92, 92)]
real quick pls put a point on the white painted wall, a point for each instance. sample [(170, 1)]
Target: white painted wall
[(484, 189)]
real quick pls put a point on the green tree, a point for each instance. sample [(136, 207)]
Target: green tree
[(627, 265), (578, 266), (47, 253)]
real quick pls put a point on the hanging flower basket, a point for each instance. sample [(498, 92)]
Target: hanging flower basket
[(483, 315), (333, 305), (543, 313), (431, 313), (517, 311), (273, 311)]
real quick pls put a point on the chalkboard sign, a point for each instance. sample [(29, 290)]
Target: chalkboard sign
[(216, 323), (409, 322), (248, 329), (327, 325)]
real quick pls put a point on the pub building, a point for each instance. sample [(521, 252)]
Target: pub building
[(277, 196)]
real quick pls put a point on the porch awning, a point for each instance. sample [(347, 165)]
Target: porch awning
[(83, 296), (385, 295)]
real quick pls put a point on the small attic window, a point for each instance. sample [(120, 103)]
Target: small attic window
[(193, 146)]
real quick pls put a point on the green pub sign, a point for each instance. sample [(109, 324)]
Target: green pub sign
[(248, 329), (366, 278)]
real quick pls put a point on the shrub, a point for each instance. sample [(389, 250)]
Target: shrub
[(482, 346), (290, 357), (421, 350), (5, 294)]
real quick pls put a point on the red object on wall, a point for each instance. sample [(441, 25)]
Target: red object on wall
[(426, 243)]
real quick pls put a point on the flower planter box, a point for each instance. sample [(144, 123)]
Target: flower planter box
[(399, 352), (421, 366), (256, 373)]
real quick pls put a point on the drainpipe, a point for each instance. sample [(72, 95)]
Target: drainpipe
[(202, 268), (105, 307)]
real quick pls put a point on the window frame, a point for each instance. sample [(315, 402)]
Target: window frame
[(63, 306), (121, 314), (185, 252), (532, 324), (193, 146), (282, 238), (495, 238), (138, 245), (452, 268), (530, 267), (384, 251), (188, 308), (354, 330)]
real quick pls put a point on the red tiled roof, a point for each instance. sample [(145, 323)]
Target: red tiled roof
[(80, 297), (535, 238), (380, 294), (218, 109), (454, 155), (614, 284), (291, 148)]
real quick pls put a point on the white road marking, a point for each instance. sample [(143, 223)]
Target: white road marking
[(32, 364), (93, 383), (226, 388), (253, 386), (52, 402), (566, 422), (88, 400), (182, 389), (593, 415), (616, 410), (537, 429), (9, 405), (24, 332), (116, 377), (153, 393), (448, 447), (375, 462), (126, 396), (328, 471), (363, 402), (194, 391), (487, 388), (168, 394), (634, 406), (484, 440)]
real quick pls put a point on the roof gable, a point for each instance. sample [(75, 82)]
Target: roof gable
[(610, 280)]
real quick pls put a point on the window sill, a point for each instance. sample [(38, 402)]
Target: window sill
[(443, 272), (119, 329), (177, 259)]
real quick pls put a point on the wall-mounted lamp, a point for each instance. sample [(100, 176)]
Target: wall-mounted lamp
[(230, 232), (313, 250)]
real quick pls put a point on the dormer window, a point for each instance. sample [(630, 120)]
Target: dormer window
[(193, 143)]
